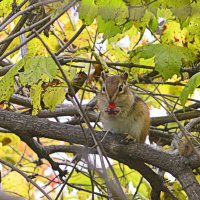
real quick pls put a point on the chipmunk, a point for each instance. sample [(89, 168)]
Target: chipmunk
[(122, 111)]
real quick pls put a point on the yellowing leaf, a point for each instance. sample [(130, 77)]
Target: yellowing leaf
[(35, 95), (172, 33), (54, 96), (14, 182), (5, 6), (7, 82), (78, 178), (35, 47), (8, 138)]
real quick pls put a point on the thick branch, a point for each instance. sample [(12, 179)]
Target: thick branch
[(67, 110), (35, 127), (156, 121)]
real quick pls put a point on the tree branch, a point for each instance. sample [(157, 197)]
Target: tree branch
[(35, 127)]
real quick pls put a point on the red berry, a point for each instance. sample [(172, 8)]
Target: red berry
[(112, 105)]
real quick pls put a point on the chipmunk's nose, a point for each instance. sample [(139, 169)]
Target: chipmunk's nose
[(109, 97)]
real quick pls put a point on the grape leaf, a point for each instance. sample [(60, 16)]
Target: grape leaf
[(54, 96), (172, 33), (35, 95), (180, 8), (109, 29), (167, 59), (136, 10), (165, 13), (193, 83), (194, 26), (7, 82), (153, 23), (35, 68), (88, 11), (115, 10), (35, 47)]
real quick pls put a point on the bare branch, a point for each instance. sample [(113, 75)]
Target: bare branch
[(29, 8)]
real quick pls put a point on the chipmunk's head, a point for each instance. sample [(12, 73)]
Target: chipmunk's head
[(113, 89)]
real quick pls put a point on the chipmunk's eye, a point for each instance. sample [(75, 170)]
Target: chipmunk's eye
[(103, 89), (120, 88)]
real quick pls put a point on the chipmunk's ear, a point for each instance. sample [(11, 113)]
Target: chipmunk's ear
[(125, 76), (103, 75)]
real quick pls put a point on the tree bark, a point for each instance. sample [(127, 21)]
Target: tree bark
[(130, 154)]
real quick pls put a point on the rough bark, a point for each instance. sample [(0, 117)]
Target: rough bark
[(132, 154)]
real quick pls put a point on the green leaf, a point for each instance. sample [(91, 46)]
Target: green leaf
[(54, 96), (115, 10), (167, 59), (165, 13), (180, 8), (88, 11), (7, 82), (35, 95), (193, 83), (153, 24), (36, 68), (136, 10), (194, 26), (109, 29), (78, 178)]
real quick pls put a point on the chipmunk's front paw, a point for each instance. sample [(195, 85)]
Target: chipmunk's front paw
[(127, 139)]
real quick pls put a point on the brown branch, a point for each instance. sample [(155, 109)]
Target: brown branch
[(75, 102), (5, 196), (68, 110), (156, 121), (35, 127), (19, 25), (4, 63), (71, 40), (63, 60), (13, 35), (28, 9), (14, 11), (67, 7), (5, 69)]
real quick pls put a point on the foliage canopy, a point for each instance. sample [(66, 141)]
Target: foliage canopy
[(51, 49)]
